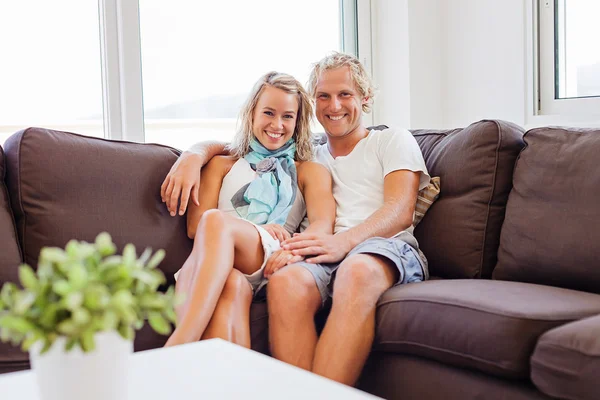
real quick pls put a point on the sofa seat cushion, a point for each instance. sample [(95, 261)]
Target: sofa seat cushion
[(396, 376), (461, 230), (491, 326), (552, 226), (566, 361), (11, 357)]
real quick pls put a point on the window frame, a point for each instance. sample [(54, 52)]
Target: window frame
[(542, 17), (122, 68)]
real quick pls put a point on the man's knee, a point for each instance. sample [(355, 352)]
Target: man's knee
[(293, 287), (366, 275)]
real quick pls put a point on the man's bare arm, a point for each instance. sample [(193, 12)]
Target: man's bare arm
[(183, 179), (318, 194), (396, 214), (400, 192)]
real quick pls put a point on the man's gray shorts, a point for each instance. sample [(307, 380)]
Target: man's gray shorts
[(411, 263)]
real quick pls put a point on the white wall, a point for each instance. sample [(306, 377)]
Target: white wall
[(407, 59), (485, 64), (391, 69), (448, 63), (427, 60)]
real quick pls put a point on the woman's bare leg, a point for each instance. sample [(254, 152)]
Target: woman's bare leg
[(220, 239), (231, 319)]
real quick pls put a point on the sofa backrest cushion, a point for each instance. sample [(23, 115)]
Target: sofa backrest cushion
[(66, 186), (551, 233), (10, 253), (460, 233), (11, 357)]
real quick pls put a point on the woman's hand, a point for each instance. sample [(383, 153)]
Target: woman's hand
[(183, 180), (278, 232), (278, 260)]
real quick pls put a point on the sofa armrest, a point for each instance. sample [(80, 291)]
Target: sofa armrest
[(566, 360)]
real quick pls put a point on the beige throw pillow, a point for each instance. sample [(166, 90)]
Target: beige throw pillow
[(425, 199)]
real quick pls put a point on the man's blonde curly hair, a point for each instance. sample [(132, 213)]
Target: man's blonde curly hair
[(357, 70), (240, 146)]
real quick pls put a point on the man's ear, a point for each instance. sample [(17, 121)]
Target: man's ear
[(365, 100)]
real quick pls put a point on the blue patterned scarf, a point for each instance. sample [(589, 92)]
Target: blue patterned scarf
[(269, 197)]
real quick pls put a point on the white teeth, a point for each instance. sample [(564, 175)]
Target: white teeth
[(275, 135), (336, 118)]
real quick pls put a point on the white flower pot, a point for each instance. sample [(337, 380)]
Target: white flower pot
[(75, 375)]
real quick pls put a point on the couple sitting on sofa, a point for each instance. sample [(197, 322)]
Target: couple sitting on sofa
[(251, 201)]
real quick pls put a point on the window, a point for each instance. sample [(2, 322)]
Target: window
[(569, 57), (200, 59), (153, 71), (50, 69)]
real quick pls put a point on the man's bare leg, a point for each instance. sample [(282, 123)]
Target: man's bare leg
[(293, 299), (231, 319), (348, 335)]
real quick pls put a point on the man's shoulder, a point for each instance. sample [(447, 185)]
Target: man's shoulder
[(320, 153), (320, 147), (388, 132), (393, 137)]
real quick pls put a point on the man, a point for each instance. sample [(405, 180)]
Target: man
[(376, 178)]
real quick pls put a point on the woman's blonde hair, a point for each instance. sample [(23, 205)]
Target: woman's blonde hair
[(302, 134), (359, 75)]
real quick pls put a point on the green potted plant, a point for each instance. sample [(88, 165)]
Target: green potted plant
[(77, 315)]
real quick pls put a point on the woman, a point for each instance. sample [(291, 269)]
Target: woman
[(249, 203)]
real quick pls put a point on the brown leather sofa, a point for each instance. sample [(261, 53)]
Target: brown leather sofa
[(513, 242)]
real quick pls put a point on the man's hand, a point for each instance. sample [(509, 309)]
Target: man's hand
[(278, 232), (182, 180), (323, 248), (278, 260)]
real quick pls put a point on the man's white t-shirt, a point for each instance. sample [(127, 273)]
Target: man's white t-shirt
[(358, 177)]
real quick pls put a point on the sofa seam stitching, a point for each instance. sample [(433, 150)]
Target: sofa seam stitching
[(431, 134), (512, 183), (105, 140), (9, 204), (480, 310), (489, 203), (20, 201), (555, 346), (445, 351), (549, 391)]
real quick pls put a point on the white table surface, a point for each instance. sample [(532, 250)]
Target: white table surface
[(210, 369)]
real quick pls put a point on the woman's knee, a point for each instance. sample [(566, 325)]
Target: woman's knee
[(237, 287), (212, 221), (293, 287)]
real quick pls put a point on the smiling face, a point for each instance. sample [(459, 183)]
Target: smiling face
[(338, 102), (274, 118)]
